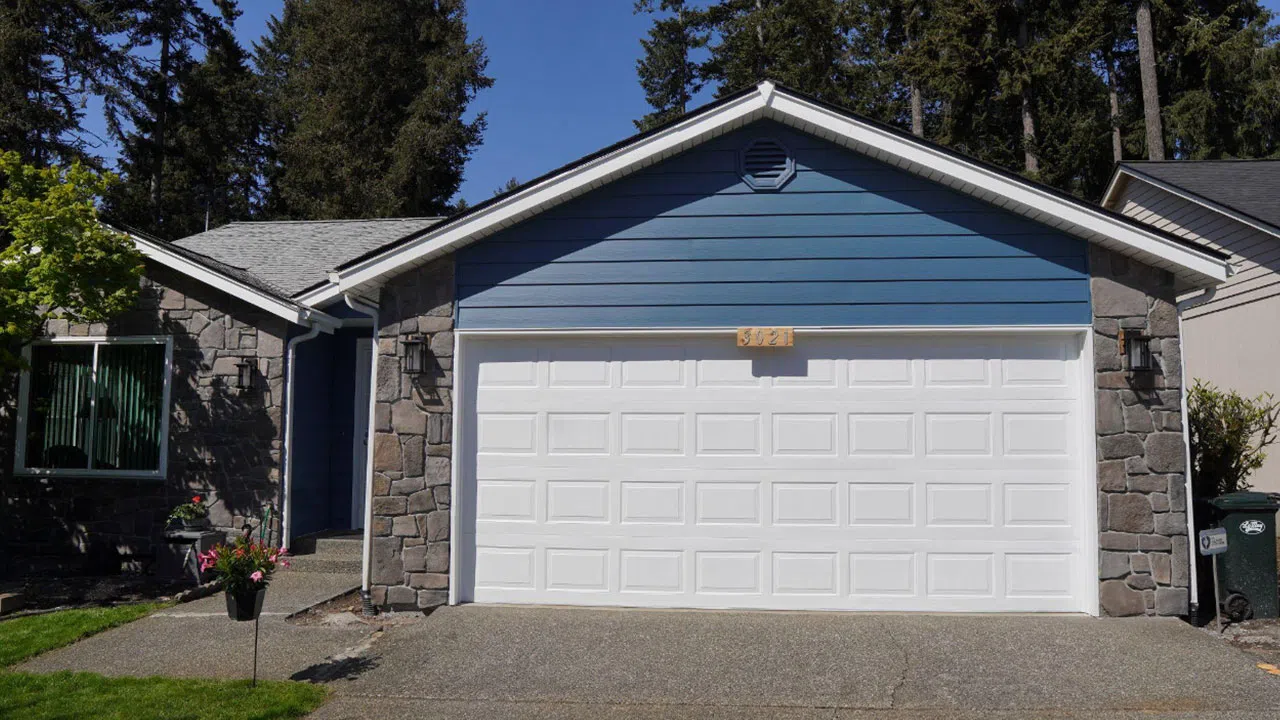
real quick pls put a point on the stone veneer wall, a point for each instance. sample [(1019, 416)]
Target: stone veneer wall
[(223, 443), (413, 420), (1142, 502)]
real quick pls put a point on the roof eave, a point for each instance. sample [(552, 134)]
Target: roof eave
[(1185, 194), (293, 312)]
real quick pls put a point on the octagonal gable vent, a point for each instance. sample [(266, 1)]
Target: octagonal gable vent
[(766, 164)]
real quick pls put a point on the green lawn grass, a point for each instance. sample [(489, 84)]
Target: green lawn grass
[(26, 637), (63, 696)]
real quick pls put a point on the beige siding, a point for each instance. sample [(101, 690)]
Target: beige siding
[(1230, 341), (1255, 255), (1229, 350)]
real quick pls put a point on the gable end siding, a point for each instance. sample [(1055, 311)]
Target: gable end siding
[(1255, 255), (849, 241)]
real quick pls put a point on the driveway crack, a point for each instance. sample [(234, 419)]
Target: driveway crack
[(902, 679)]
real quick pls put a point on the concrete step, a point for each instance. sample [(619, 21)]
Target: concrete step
[(317, 563), (339, 547)]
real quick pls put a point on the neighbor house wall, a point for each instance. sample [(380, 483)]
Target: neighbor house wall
[(223, 443), (1230, 340)]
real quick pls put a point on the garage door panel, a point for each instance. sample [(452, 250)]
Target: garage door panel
[(704, 573), (855, 472)]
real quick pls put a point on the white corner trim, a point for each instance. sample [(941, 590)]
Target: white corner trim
[(157, 252), (1192, 198), (1200, 267)]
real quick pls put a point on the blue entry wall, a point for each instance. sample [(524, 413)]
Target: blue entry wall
[(323, 425), (848, 241)]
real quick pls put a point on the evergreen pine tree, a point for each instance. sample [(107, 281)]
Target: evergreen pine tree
[(53, 54), (373, 97)]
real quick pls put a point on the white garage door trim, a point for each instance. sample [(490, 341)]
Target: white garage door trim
[(1085, 583)]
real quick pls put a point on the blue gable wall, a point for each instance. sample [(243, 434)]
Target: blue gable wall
[(849, 241)]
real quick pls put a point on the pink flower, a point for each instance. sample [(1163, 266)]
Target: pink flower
[(256, 576)]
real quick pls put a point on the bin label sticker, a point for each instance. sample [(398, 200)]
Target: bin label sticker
[(1252, 527), (1213, 541)]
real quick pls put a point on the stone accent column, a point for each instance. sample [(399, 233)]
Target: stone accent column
[(1142, 502), (413, 421)]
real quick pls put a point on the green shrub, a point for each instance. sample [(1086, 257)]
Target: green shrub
[(1229, 437)]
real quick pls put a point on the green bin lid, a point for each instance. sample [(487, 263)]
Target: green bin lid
[(1245, 501)]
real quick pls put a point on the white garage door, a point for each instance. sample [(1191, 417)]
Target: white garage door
[(885, 472)]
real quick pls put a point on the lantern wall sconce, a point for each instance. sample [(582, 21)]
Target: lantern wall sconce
[(244, 375), (1137, 349), (415, 354)]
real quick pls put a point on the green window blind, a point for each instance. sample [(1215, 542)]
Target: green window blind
[(96, 411)]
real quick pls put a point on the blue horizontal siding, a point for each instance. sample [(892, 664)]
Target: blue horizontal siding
[(849, 241)]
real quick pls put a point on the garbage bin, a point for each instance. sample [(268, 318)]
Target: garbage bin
[(1247, 571)]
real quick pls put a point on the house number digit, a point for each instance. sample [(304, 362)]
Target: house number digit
[(765, 337)]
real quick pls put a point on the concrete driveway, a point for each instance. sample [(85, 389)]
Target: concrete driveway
[(489, 662)]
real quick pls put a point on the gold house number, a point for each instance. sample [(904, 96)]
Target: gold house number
[(766, 337)]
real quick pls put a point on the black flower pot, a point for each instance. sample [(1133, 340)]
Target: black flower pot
[(245, 605), (195, 523)]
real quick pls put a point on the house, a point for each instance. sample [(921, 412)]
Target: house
[(1232, 206), (769, 355)]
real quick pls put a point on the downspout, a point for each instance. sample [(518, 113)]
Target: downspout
[(1183, 306), (366, 557), (286, 501)]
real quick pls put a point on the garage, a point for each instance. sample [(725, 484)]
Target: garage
[(926, 471)]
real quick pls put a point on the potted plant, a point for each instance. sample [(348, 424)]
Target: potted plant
[(192, 515), (245, 568)]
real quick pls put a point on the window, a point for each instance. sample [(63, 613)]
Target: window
[(95, 406)]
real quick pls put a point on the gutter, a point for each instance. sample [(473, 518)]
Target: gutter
[(1182, 307), (286, 500), (366, 556)]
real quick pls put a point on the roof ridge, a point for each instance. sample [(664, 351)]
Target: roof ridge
[(332, 220)]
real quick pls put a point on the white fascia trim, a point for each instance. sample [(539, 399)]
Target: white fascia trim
[(1193, 198), (549, 191), (1018, 192), (235, 288)]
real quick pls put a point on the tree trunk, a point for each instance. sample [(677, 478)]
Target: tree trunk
[(917, 102), (1150, 89), (162, 110), (1030, 161), (1117, 139), (917, 111)]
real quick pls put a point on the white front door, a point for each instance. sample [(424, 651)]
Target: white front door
[(876, 472), (360, 434)]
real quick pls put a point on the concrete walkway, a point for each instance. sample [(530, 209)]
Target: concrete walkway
[(485, 662), (196, 639)]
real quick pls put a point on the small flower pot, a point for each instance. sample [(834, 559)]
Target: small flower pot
[(245, 604), (195, 523)]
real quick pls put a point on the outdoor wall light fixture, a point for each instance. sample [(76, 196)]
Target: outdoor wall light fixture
[(244, 375), (1138, 349), (415, 355)]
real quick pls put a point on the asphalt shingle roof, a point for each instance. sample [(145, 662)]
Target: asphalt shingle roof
[(288, 257), (1249, 187)]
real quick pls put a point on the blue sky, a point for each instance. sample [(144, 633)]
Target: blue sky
[(564, 82)]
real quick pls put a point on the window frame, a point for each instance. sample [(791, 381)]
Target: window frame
[(96, 341)]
